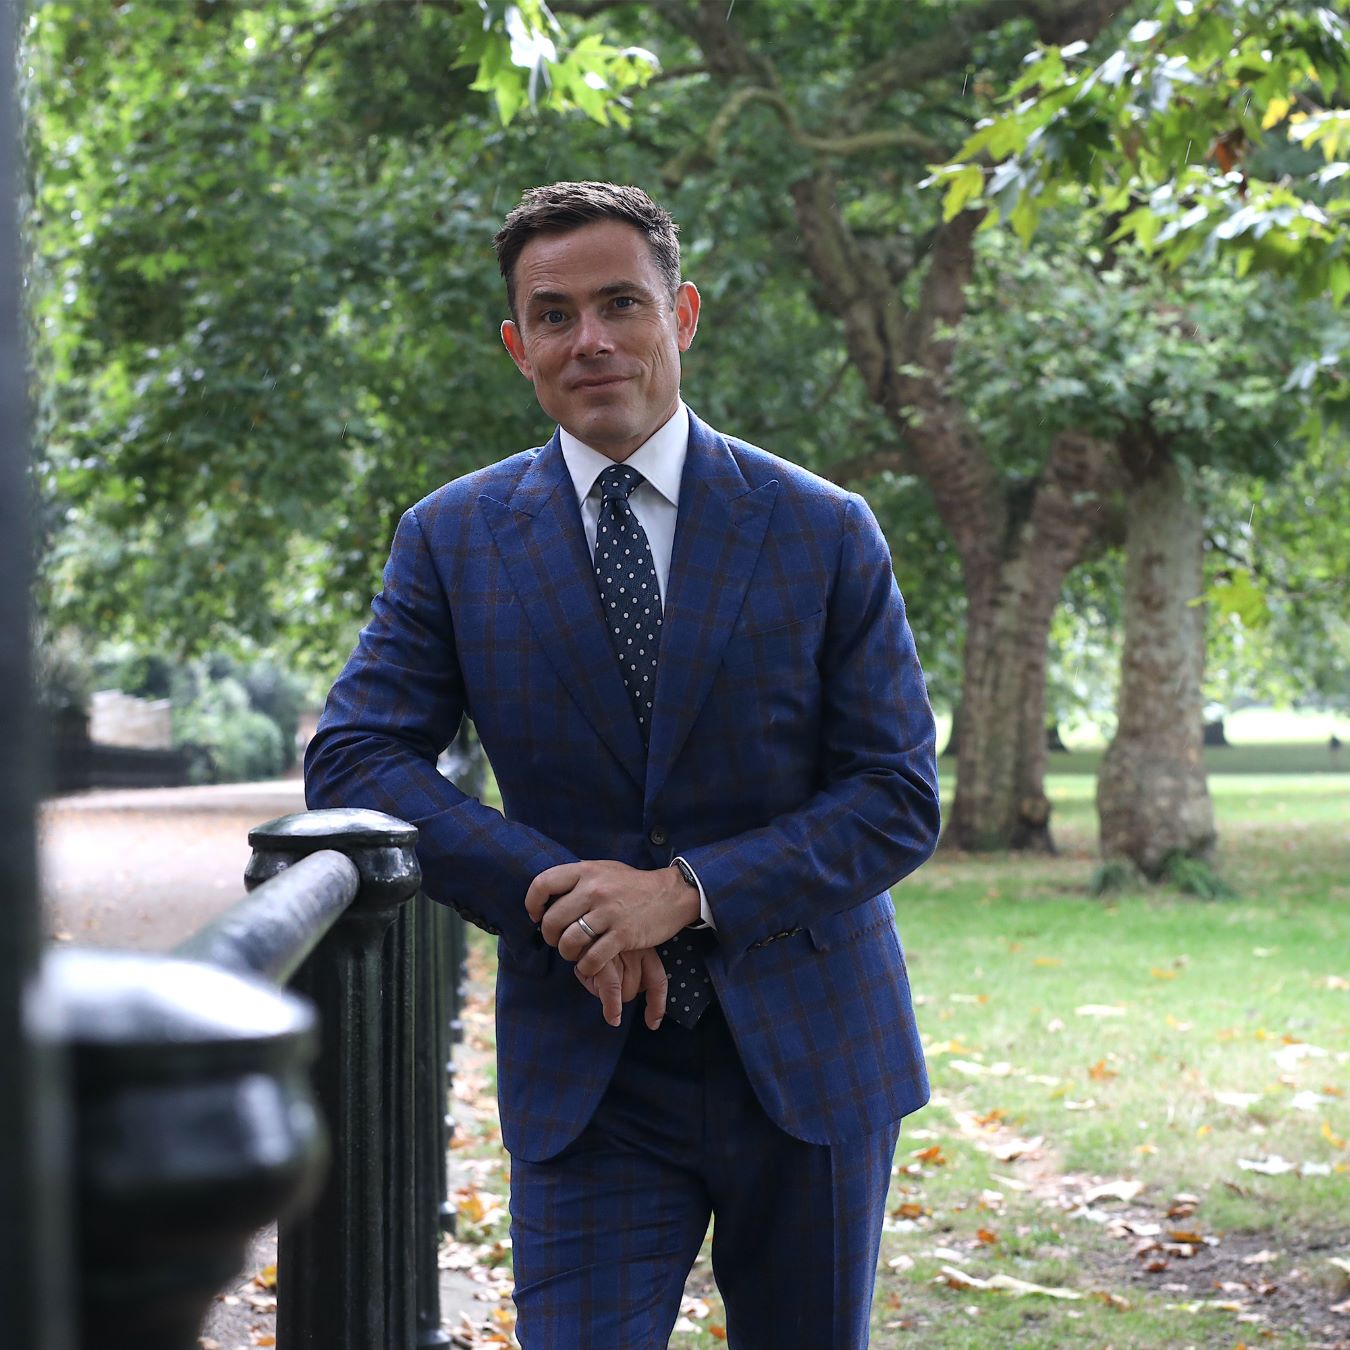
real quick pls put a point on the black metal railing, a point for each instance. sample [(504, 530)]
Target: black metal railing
[(206, 1100)]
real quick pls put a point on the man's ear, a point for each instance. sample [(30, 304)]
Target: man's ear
[(515, 344), (686, 314)]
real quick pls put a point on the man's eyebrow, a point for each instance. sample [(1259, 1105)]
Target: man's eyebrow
[(610, 288)]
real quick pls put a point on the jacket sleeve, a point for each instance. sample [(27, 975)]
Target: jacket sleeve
[(875, 817), (397, 704)]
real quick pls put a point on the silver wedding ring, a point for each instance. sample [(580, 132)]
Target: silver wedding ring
[(587, 929)]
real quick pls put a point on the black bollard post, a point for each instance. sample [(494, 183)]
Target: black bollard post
[(439, 920), (335, 1278), (35, 1260), (454, 948), (429, 1098), (195, 1125), (402, 1181)]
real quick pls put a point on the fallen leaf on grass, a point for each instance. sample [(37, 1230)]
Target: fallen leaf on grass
[(1340, 1263), (1262, 1258), (1335, 982), (1113, 1190), (932, 1154), (973, 1070), (1100, 1010), (909, 1210), (1331, 1136), (1289, 1055), (948, 1254), (1047, 961), (1012, 1149), (1101, 1072), (266, 1278), (716, 1332), (986, 1235), (1111, 1300), (901, 1262), (1273, 1166), (1159, 973), (1241, 1100), (958, 1279), (951, 1048)]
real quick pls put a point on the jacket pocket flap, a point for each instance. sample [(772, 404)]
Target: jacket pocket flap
[(836, 929)]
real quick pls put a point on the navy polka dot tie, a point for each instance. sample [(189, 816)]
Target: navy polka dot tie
[(630, 598)]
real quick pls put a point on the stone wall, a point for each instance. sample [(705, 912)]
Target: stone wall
[(116, 718)]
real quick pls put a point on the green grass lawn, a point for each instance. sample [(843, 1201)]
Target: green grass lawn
[(1157, 1042)]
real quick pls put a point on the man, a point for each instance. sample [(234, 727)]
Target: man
[(689, 665)]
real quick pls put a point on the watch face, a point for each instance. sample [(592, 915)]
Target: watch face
[(686, 872)]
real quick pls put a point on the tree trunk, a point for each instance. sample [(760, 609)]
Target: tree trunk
[(1152, 796), (1000, 800)]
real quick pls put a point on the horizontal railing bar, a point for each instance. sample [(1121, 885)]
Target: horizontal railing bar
[(272, 930)]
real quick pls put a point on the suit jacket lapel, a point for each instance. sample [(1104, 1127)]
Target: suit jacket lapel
[(718, 536), (539, 534)]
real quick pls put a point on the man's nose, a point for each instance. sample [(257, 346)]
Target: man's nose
[(591, 336)]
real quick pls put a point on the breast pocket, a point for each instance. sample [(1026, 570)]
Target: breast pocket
[(775, 649)]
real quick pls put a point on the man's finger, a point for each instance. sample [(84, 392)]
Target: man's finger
[(609, 989), (657, 986), (604, 949), (562, 916), (632, 977), (550, 882), (574, 943)]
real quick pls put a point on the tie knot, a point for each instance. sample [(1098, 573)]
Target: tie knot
[(619, 481)]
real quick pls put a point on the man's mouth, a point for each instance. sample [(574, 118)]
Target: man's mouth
[(600, 382)]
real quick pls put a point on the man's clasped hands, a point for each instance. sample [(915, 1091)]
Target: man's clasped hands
[(608, 919)]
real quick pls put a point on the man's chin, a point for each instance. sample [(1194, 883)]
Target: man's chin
[(603, 433)]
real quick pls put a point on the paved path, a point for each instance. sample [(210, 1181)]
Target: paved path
[(145, 869)]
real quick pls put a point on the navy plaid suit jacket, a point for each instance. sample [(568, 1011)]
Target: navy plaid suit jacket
[(791, 761)]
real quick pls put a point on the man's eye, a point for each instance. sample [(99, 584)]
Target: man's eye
[(553, 316), (624, 302)]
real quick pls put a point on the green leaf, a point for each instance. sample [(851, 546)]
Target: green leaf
[(965, 185)]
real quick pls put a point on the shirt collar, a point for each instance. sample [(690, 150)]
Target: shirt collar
[(659, 459)]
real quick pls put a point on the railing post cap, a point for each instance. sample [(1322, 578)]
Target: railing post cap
[(162, 1018), (382, 847), (336, 828)]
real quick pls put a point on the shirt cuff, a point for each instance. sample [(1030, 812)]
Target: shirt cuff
[(705, 914)]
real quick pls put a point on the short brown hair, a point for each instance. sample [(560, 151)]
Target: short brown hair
[(559, 208)]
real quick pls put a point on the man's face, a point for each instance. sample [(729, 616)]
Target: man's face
[(599, 335)]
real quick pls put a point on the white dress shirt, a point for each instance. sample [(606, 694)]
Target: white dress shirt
[(655, 502)]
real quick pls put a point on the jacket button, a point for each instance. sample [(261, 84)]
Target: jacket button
[(658, 836)]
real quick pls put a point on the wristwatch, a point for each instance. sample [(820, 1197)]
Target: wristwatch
[(687, 874)]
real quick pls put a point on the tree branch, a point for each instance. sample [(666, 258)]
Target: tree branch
[(1056, 21), (861, 142)]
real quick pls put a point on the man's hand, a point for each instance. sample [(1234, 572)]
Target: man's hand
[(622, 979), (625, 908)]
